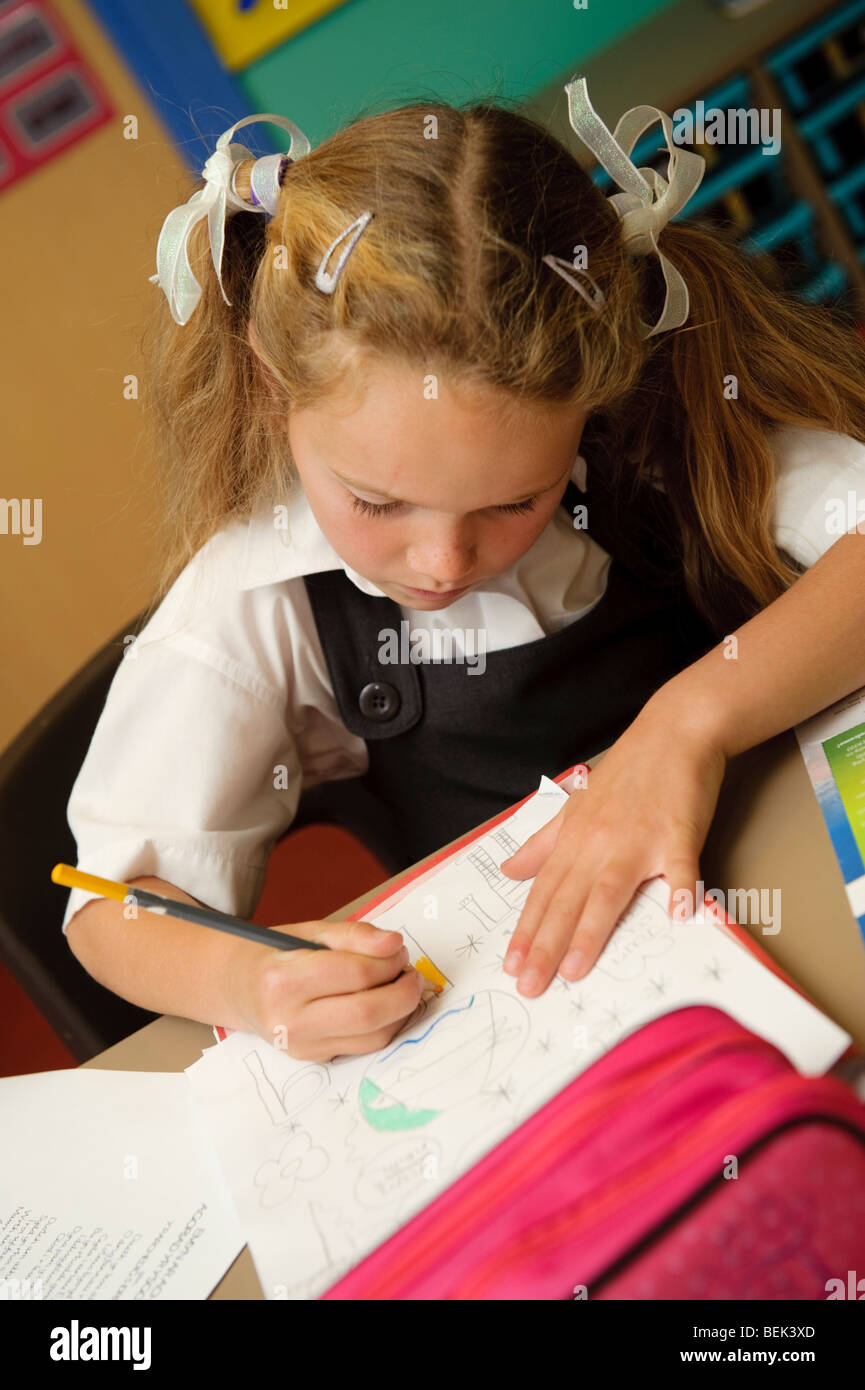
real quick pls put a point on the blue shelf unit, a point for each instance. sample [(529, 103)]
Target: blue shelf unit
[(820, 73), (811, 67)]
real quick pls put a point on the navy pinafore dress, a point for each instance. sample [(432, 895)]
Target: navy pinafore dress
[(449, 749)]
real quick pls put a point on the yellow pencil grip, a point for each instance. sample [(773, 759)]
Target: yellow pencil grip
[(425, 967), (68, 877)]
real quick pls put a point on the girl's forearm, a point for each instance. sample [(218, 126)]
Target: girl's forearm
[(160, 963), (803, 652)]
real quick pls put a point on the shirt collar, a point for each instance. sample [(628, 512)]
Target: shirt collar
[(287, 542)]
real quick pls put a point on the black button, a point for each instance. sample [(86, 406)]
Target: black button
[(379, 700)]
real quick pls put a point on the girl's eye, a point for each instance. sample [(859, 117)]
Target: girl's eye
[(516, 507), (372, 508), (360, 504)]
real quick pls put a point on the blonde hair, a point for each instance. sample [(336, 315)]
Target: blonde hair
[(449, 277)]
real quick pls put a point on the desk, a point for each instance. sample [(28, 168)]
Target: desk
[(767, 833)]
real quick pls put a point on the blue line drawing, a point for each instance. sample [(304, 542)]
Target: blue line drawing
[(460, 1056), (413, 1042)]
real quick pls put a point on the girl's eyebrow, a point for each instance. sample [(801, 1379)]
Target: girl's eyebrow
[(367, 487)]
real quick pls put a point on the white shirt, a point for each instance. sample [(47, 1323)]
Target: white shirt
[(222, 709)]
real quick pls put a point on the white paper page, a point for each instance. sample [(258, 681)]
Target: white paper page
[(326, 1161), (109, 1189)]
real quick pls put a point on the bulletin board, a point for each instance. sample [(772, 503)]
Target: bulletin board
[(50, 96), (242, 30)]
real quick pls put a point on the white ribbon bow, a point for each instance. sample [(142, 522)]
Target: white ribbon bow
[(648, 200), (174, 273)]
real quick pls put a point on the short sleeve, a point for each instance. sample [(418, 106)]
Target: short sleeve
[(189, 776), (819, 491), (194, 769)]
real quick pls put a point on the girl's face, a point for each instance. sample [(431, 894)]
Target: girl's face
[(429, 497)]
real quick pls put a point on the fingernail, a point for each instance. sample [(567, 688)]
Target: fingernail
[(572, 964), (513, 961), (530, 980)]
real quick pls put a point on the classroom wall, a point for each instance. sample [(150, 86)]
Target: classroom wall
[(78, 239)]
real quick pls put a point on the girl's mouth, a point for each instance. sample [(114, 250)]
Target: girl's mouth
[(449, 594)]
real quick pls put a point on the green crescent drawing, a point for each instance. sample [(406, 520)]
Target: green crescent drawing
[(396, 1116)]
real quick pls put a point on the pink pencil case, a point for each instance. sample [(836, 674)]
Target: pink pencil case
[(691, 1161)]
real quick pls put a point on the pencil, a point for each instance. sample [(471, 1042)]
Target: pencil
[(68, 877)]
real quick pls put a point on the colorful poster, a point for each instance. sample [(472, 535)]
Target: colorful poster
[(49, 95), (845, 754), (833, 746), (243, 30)]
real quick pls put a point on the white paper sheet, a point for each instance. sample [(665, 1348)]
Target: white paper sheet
[(109, 1189), (326, 1161)]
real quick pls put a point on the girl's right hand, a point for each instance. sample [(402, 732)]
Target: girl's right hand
[(317, 1005)]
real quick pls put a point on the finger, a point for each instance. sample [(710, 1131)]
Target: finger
[(609, 897), (576, 923), (360, 936), (543, 889), (529, 857), (551, 941), (308, 975), (379, 955), (366, 1011)]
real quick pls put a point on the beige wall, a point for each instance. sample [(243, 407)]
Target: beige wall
[(79, 241)]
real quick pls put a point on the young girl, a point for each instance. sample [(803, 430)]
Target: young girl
[(445, 390)]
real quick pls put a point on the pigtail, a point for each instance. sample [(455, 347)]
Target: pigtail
[(750, 358), (206, 403)]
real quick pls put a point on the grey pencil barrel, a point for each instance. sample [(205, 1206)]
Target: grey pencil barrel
[(223, 921)]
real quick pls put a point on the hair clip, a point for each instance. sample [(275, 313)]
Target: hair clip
[(326, 281), (566, 269)]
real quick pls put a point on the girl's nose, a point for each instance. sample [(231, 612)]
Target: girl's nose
[(447, 561)]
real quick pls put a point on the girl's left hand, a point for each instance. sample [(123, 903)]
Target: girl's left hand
[(646, 810)]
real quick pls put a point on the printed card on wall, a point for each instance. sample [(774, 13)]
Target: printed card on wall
[(49, 96), (243, 30)]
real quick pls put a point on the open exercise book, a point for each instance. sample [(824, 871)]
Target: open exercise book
[(324, 1162)]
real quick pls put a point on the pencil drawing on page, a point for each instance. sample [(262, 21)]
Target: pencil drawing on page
[(327, 1160), (453, 1060)]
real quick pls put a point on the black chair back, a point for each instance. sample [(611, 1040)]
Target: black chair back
[(37, 771)]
